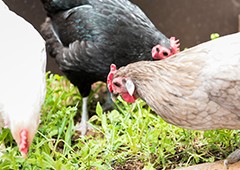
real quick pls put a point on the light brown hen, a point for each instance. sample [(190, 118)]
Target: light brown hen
[(198, 88)]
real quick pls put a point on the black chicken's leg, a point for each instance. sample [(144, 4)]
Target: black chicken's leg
[(83, 125)]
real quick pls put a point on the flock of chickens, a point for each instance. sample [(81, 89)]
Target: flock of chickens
[(198, 88)]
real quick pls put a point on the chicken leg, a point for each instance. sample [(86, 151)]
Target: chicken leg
[(83, 125)]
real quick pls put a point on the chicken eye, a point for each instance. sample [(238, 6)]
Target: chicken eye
[(165, 53), (117, 84)]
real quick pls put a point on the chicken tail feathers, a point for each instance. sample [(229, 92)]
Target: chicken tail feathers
[(66, 57)]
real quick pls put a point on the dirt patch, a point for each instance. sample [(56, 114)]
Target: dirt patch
[(130, 165)]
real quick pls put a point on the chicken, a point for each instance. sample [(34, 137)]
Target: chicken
[(198, 88), (22, 72), (86, 36)]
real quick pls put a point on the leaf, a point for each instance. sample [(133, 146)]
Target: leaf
[(99, 109), (214, 36)]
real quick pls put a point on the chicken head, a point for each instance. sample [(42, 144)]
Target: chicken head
[(159, 52), (120, 86)]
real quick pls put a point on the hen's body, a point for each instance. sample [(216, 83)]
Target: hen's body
[(198, 88), (22, 72), (86, 36)]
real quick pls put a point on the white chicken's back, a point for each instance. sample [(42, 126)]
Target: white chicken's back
[(215, 53)]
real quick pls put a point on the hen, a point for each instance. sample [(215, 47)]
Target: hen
[(86, 36), (198, 88), (22, 72)]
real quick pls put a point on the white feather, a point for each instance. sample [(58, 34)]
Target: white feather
[(22, 70), (130, 87)]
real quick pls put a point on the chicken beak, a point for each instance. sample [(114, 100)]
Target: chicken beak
[(114, 97)]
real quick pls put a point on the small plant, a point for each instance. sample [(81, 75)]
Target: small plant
[(214, 36)]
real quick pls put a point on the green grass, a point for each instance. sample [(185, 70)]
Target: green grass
[(129, 135)]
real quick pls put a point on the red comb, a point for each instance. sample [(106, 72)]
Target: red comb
[(23, 146), (113, 70), (174, 45)]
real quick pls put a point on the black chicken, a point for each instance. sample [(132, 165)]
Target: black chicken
[(86, 36)]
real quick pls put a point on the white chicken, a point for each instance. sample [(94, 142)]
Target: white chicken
[(22, 73)]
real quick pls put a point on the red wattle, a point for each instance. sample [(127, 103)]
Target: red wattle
[(128, 98)]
